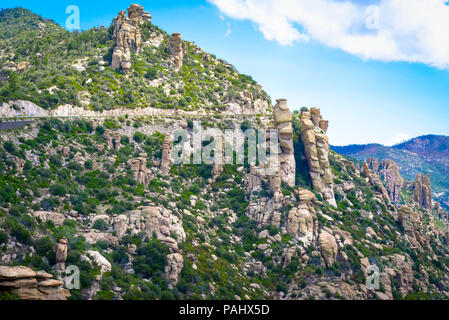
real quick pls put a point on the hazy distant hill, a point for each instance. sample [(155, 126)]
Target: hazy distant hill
[(429, 154)]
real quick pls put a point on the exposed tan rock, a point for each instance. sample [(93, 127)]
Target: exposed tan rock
[(108, 138), (14, 273), (175, 263), (142, 174), (127, 36), (56, 217), (374, 180), (389, 170), (328, 247), (61, 254), (102, 262), (316, 146), (422, 191), (283, 123), (302, 222), (166, 161), (151, 220), (92, 236), (177, 49), (117, 141), (411, 221), (29, 285)]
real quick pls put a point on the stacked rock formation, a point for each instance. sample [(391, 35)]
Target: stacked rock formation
[(177, 50), (166, 161), (61, 254), (283, 123), (30, 285), (422, 192), (142, 174), (316, 145), (127, 36)]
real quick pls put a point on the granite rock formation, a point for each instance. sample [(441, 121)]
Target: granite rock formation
[(316, 145), (142, 174), (177, 50), (422, 191), (389, 170), (61, 254), (283, 123), (175, 263), (302, 222), (127, 36), (30, 285), (166, 161), (374, 180)]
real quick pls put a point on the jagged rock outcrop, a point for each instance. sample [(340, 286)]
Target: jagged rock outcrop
[(316, 146), (166, 161), (389, 170), (142, 174), (175, 263), (151, 219), (177, 50), (31, 285), (127, 36), (412, 223), (374, 180), (283, 123), (374, 165), (422, 191), (61, 254), (302, 222)]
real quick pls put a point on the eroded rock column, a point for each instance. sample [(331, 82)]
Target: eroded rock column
[(316, 146)]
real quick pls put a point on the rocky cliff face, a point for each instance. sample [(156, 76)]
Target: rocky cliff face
[(422, 192), (389, 171), (127, 36), (316, 144)]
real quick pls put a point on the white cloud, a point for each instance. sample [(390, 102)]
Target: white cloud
[(408, 30), (229, 31), (398, 138)]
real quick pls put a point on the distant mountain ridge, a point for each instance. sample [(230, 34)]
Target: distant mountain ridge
[(428, 154)]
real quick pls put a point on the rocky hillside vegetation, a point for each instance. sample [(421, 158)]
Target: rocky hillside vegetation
[(104, 195)]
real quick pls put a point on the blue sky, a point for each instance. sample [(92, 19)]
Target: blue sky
[(366, 97)]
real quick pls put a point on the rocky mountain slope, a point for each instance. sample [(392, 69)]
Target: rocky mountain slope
[(104, 195), (427, 154)]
